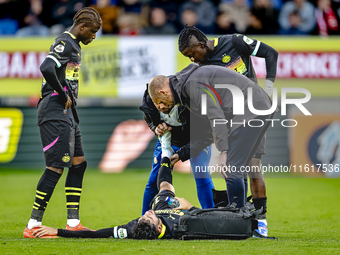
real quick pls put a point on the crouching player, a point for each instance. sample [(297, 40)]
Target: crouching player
[(156, 223)]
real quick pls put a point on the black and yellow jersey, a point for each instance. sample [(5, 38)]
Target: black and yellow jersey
[(168, 216), (66, 53), (61, 78), (234, 52)]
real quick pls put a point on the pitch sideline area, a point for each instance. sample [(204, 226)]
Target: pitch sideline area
[(303, 214)]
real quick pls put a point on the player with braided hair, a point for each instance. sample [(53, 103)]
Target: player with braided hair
[(58, 119), (234, 52)]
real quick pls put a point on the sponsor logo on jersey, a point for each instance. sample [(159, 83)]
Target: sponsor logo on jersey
[(155, 160), (247, 40), (59, 48), (225, 58)]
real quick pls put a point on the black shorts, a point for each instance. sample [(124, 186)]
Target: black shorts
[(159, 203), (61, 142)]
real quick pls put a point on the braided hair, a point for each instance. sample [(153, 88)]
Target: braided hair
[(88, 16), (186, 37)]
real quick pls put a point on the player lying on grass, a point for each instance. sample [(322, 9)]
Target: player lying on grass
[(156, 223)]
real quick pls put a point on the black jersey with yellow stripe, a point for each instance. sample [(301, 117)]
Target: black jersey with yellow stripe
[(66, 53), (234, 52), (169, 217)]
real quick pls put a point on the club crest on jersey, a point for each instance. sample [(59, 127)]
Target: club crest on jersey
[(66, 158), (225, 58), (247, 40), (59, 48)]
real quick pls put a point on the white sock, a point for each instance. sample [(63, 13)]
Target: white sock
[(73, 222), (166, 153), (32, 222), (263, 221)]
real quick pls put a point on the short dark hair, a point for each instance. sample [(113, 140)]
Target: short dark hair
[(88, 16), (186, 35), (145, 230)]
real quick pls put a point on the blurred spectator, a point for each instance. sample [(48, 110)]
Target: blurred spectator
[(62, 14), (170, 8), (239, 13), (224, 24), (128, 24), (250, 3), (205, 12), (136, 8), (34, 25), (326, 19), (12, 13), (158, 23), (297, 17), (109, 15), (188, 17), (262, 18)]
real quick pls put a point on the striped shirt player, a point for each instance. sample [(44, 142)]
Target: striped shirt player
[(58, 119)]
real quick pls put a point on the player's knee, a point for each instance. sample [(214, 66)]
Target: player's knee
[(54, 169), (78, 160)]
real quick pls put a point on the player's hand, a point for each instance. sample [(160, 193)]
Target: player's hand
[(184, 204), (174, 159), (44, 230), (222, 165), (160, 129), (68, 103)]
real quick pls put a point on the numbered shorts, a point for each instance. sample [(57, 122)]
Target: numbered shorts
[(61, 142), (159, 202)]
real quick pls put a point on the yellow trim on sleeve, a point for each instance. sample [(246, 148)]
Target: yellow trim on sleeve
[(215, 42), (163, 232)]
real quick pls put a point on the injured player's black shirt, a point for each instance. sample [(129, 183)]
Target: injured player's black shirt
[(169, 217)]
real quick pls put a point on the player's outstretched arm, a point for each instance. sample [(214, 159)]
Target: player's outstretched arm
[(44, 230)]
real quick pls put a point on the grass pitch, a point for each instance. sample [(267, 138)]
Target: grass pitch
[(303, 214)]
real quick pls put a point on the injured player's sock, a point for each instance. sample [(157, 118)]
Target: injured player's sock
[(165, 172), (167, 151)]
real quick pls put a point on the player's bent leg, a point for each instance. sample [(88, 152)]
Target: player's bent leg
[(151, 187), (44, 191), (73, 188)]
